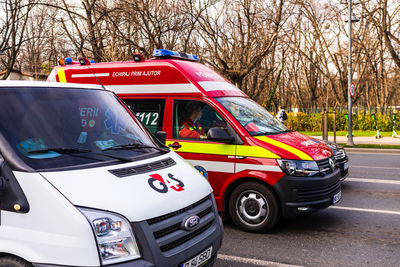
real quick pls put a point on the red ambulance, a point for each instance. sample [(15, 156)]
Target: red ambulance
[(259, 169)]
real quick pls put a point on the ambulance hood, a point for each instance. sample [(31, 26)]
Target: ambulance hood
[(294, 145), (138, 197)]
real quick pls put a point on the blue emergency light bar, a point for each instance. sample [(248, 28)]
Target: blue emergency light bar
[(164, 53), (68, 61)]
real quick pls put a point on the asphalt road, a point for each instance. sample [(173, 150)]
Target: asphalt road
[(363, 229)]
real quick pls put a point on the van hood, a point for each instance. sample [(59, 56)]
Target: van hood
[(294, 145), (137, 197)]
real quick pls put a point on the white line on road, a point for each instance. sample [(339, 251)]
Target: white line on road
[(374, 167), (254, 261), (392, 212), (376, 181), (373, 153)]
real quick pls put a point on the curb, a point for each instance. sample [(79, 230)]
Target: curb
[(373, 150)]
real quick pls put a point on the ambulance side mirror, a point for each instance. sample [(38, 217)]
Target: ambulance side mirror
[(161, 136), (219, 135)]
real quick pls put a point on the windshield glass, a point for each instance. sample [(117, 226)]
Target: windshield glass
[(253, 117), (63, 127)]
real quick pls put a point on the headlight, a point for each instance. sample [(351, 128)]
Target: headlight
[(114, 236), (298, 167), (340, 154)]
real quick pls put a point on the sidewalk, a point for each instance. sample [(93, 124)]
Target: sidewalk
[(364, 140), (367, 140)]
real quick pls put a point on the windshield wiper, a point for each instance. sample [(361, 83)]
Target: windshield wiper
[(134, 146), (61, 150), (271, 133), (70, 150)]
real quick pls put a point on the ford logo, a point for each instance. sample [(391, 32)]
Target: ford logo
[(191, 222)]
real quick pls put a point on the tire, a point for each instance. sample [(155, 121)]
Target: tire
[(9, 261), (253, 207)]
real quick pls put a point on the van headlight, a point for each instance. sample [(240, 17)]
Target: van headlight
[(298, 167), (114, 236)]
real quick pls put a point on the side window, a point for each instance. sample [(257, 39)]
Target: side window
[(193, 119), (149, 111)]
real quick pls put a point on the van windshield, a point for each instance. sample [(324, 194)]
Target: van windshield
[(51, 128), (254, 118)]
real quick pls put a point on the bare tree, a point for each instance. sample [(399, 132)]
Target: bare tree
[(12, 31)]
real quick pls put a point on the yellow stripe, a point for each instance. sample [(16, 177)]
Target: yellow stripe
[(255, 151), (284, 146), (225, 149), (61, 75), (205, 148)]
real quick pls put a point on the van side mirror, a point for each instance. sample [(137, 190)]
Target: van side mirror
[(3, 185), (219, 135), (161, 136), (12, 197)]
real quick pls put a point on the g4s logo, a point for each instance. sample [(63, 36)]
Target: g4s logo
[(161, 185)]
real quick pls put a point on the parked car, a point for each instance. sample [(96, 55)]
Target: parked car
[(340, 156)]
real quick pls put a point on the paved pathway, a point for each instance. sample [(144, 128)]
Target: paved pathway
[(365, 140)]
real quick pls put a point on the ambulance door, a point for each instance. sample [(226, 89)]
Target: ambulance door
[(191, 121), (149, 111)]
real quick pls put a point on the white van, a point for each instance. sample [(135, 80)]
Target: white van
[(83, 183)]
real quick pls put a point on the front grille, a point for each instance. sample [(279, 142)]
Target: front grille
[(144, 168), (186, 238), (176, 213), (168, 229), (319, 193), (324, 166)]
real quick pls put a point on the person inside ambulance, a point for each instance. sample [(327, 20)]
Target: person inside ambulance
[(191, 126)]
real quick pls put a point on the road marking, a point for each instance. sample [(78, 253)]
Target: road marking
[(254, 261), (376, 181), (374, 167), (392, 212), (372, 153)]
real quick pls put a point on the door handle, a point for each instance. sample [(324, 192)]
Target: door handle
[(175, 145)]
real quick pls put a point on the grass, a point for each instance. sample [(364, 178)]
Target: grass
[(344, 133)]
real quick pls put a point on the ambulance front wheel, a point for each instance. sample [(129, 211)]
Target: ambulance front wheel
[(253, 207)]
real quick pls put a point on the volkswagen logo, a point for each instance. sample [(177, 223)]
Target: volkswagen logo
[(191, 222), (332, 163)]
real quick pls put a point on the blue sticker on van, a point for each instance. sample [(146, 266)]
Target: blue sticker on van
[(202, 171)]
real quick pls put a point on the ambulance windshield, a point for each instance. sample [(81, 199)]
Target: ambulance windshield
[(52, 128), (254, 118)]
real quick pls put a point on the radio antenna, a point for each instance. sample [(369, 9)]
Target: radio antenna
[(84, 62)]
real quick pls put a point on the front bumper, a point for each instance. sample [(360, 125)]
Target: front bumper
[(299, 195), (164, 243)]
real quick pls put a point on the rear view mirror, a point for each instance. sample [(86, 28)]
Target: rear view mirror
[(219, 135), (161, 136)]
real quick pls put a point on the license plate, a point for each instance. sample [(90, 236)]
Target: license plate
[(337, 197), (346, 166), (199, 259)]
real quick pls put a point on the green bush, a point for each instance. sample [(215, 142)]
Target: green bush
[(304, 122)]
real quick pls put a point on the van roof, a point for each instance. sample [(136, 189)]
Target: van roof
[(153, 76), (13, 83)]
